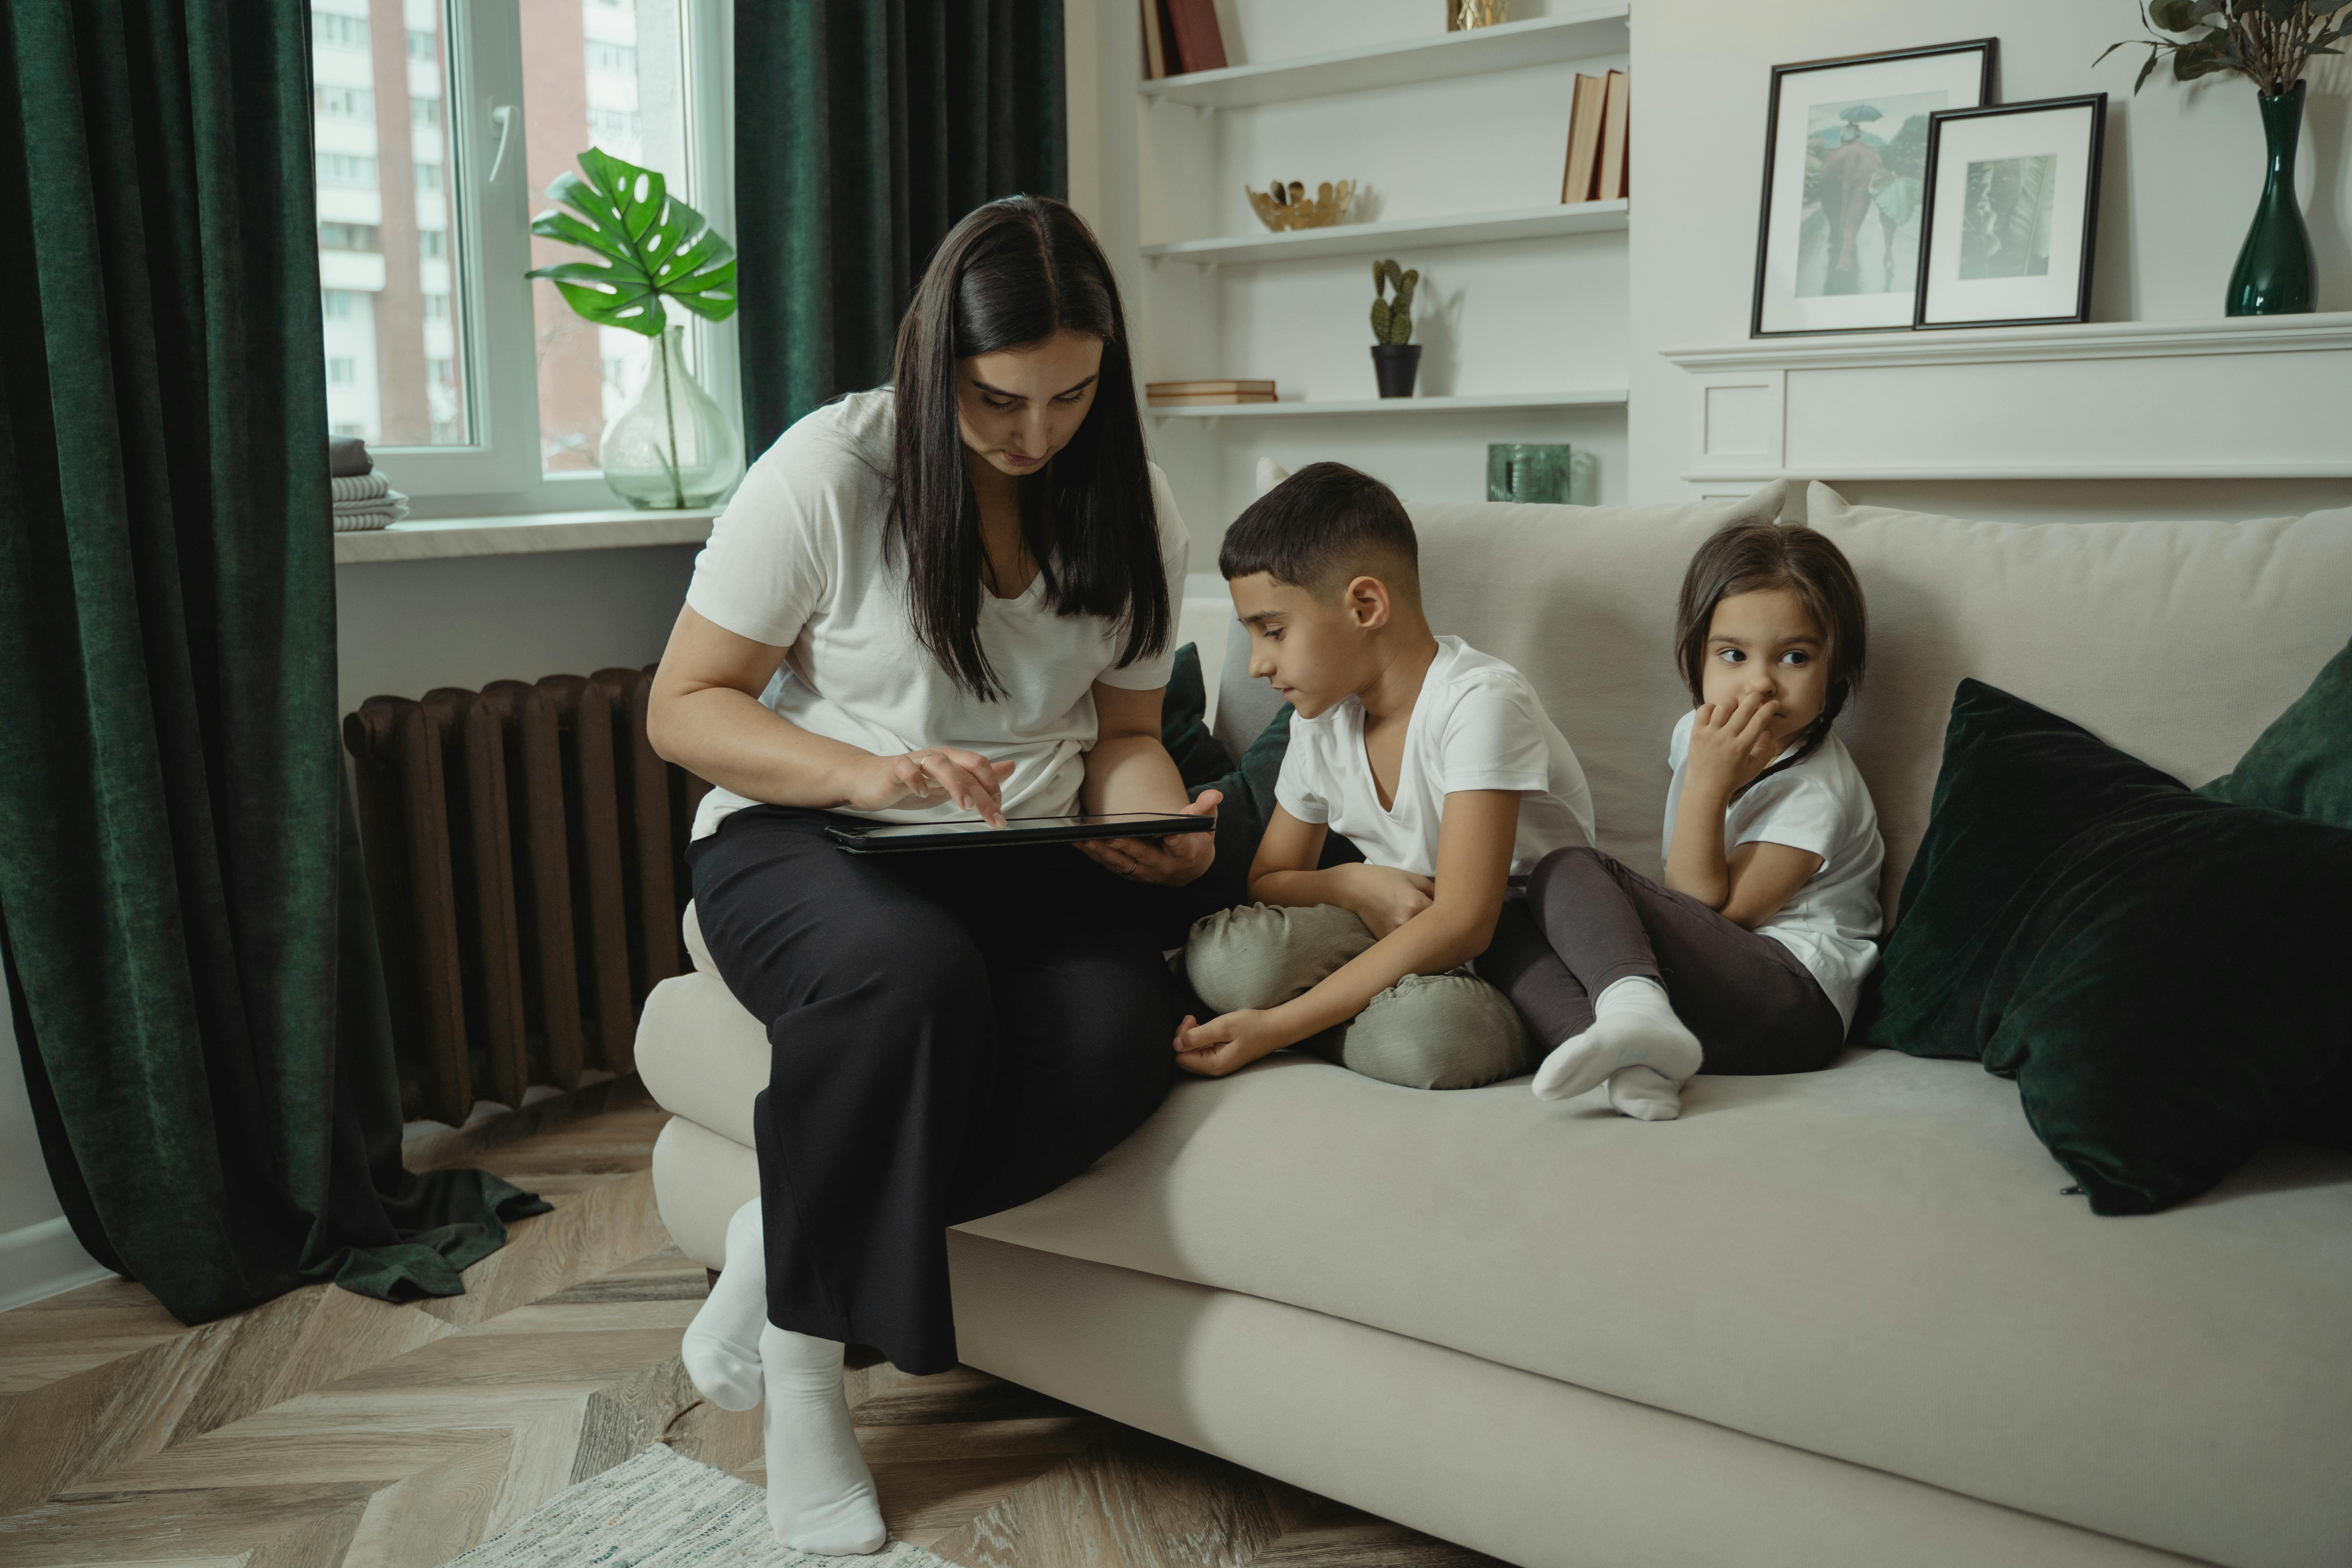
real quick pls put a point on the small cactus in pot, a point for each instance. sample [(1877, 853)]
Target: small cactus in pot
[(1396, 358), (1393, 320)]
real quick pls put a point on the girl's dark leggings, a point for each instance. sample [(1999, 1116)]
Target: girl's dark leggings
[(1586, 921)]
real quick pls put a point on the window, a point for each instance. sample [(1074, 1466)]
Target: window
[(360, 236), (487, 403), (334, 30), (345, 169)]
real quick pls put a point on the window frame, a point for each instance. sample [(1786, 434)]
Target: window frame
[(499, 473)]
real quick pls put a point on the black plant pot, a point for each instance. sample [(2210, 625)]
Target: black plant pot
[(1395, 364)]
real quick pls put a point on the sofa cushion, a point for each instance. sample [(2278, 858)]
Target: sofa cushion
[(1581, 600), (2153, 968), (2303, 762), (2176, 642)]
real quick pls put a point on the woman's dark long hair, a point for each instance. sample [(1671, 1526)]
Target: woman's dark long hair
[(1013, 273), (1747, 558)]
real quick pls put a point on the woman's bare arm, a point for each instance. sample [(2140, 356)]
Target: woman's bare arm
[(705, 715)]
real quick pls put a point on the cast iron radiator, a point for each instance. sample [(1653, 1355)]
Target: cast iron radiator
[(524, 851)]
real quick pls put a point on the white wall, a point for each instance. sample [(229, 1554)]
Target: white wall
[(38, 1255), (2183, 169), (407, 626)]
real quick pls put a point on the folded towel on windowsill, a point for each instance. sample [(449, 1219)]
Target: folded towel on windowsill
[(347, 457), (356, 517), (359, 487)]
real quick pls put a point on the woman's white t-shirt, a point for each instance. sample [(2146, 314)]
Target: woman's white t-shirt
[(797, 561), (1820, 806), (1476, 725)]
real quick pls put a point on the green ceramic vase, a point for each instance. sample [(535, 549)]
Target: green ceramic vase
[(2276, 268)]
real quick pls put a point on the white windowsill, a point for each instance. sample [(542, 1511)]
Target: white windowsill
[(448, 538)]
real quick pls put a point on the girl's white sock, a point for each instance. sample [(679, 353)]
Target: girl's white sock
[(820, 1493), (1645, 1094), (1634, 1025), (721, 1348)]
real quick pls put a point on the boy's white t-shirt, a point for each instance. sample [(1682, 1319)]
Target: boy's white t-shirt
[(1821, 806), (796, 561), (1477, 724)]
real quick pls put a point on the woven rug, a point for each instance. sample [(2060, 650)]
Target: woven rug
[(661, 1511)]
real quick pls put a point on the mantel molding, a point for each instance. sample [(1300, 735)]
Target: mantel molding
[(2102, 401), (2010, 345)]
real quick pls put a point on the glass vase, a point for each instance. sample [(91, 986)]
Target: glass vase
[(2276, 268), (671, 447)]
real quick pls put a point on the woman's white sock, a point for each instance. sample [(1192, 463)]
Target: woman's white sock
[(820, 1493), (1634, 1025), (1645, 1094), (721, 1348)]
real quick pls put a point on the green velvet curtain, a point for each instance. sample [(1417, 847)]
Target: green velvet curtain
[(864, 129), (197, 999)]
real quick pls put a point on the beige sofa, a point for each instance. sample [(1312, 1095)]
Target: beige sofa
[(1847, 1318)]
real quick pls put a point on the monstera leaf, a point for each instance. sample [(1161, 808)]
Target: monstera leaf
[(653, 247)]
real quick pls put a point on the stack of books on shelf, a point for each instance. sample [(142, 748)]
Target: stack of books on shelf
[(1194, 393), (1596, 139), (1181, 36)]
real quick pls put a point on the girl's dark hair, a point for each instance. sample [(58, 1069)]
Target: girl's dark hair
[(1013, 273), (1748, 557)]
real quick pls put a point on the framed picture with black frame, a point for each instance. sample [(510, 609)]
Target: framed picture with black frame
[(1845, 147), (2011, 215)]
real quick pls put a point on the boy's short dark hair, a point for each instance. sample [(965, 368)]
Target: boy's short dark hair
[(1320, 527)]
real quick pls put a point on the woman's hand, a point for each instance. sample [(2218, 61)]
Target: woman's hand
[(1384, 897), (1168, 862), (1730, 743), (927, 777), (1227, 1043)]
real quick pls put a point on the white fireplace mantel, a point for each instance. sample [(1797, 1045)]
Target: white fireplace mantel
[(2248, 397)]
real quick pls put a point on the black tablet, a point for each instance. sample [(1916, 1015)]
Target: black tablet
[(892, 837)]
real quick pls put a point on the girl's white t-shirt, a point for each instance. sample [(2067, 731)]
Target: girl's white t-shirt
[(796, 561), (1476, 725), (1821, 805)]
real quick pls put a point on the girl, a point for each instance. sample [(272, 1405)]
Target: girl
[(1749, 958)]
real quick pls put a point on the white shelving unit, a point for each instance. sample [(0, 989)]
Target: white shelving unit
[(1390, 408), (1582, 32), (1362, 238), (1455, 140)]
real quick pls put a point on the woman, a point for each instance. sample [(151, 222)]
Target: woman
[(948, 597)]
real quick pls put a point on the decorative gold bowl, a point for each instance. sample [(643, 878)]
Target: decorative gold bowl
[(1285, 207)]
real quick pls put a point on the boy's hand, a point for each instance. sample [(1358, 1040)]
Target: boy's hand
[(1732, 743), (1227, 1043), (1384, 897)]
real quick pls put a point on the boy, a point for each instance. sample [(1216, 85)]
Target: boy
[(1435, 760)]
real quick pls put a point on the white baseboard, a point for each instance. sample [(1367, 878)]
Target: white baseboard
[(42, 1260)]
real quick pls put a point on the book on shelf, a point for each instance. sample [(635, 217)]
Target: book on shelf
[(1155, 53), (1610, 185), (1205, 399), (1585, 114), (1198, 45), (1180, 388)]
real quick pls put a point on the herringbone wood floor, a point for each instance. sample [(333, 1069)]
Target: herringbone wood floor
[(324, 1430)]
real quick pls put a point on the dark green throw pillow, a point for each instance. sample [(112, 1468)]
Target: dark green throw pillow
[(2161, 973), (2303, 763), (1200, 757)]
